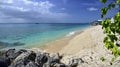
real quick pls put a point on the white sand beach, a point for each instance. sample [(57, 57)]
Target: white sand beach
[(82, 48), (80, 40), (87, 45)]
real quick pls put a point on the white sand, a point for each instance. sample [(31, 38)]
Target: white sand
[(78, 41), (88, 39), (87, 45)]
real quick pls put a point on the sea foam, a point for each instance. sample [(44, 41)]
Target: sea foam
[(70, 33)]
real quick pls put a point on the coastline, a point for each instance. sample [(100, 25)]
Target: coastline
[(73, 44), (58, 44), (84, 49), (83, 41)]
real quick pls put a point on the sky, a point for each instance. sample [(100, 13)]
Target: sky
[(50, 11)]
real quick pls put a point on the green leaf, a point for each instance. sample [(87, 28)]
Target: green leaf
[(104, 11), (112, 37), (106, 45), (118, 51), (117, 1), (112, 60), (111, 5), (114, 50), (111, 63), (111, 29), (103, 1), (102, 59), (105, 39)]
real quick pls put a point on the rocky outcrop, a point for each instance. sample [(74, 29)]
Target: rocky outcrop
[(35, 58), (32, 58)]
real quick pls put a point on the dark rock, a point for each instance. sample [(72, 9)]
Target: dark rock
[(10, 53), (75, 61), (47, 60), (28, 58), (32, 56), (46, 65), (21, 60), (60, 65), (3, 64), (3, 58), (31, 64), (51, 62), (55, 57), (22, 50), (44, 59), (8, 56), (41, 59), (2, 55)]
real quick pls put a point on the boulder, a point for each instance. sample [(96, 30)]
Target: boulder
[(31, 58), (55, 57), (3, 64), (60, 65), (21, 60), (41, 59), (31, 64), (72, 61)]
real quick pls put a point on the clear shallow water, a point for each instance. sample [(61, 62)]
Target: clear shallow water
[(32, 34)]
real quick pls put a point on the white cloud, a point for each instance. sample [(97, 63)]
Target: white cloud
[(10, 1), (92, 9), (30, 11), (22, 9)]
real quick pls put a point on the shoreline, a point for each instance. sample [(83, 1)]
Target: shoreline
[(69, 45), (58, 44), (84, 49), (43, 46)]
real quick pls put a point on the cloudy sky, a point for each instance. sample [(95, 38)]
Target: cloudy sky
[(50, 11)]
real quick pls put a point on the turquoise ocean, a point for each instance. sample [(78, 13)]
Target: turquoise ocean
[(30, 34)]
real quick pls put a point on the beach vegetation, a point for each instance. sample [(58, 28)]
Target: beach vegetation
[(111, 27), (102, 59)]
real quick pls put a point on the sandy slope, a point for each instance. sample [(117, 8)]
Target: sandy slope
[(79, 42), (89, 38), (59, 44), (90, 48), (87, 46)]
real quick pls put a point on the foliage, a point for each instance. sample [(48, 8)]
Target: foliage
[(112, 61), (111, 28), (102, 59)]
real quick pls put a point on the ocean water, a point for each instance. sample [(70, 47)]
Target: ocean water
[(32, 34)]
